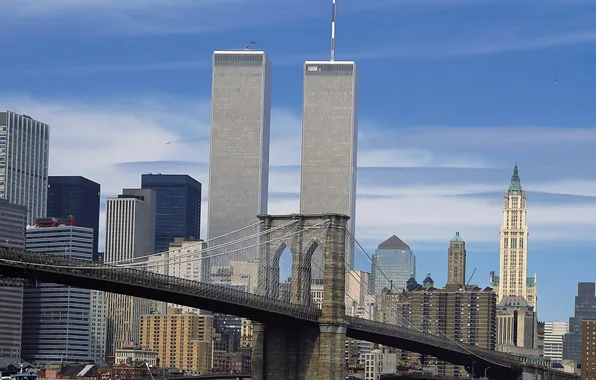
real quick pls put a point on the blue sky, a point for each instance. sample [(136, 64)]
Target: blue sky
[(452, 94)]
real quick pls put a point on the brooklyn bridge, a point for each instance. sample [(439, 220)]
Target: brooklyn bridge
[(293, 338)]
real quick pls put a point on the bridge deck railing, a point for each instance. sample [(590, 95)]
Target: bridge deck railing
[(435, 340), (15, 258)]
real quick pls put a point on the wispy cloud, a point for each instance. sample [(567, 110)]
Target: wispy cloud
[(420, 203), (199, 64), (129, 17), (485, 136), (37, 8), (460, 49), (464, 48), (141, 17)]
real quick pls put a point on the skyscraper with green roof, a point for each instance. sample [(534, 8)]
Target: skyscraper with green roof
[(456, 273)]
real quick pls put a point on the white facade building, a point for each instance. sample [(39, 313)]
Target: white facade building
[(553, 339), (134, 354), (56, 317), (316, 293), (357, 288), (126, 239), (379, 362), (24, 152), (183, 260), (513, 281), (98, 327)]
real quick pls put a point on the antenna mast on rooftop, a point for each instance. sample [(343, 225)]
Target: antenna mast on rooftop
[(333, 15)]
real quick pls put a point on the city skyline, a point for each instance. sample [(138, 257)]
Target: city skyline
[(406, 175)]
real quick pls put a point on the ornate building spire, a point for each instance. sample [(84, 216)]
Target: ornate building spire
[(515, 186)]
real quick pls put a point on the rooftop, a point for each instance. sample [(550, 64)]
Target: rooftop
[(393, 243), (239, 51), (457, 238), (330, 62)]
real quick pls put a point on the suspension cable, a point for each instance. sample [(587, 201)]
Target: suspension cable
[(203, 251), (110, 267), (198, 242)]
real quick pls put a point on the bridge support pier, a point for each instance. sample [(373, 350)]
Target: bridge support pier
[(309, 351), (298, 353)]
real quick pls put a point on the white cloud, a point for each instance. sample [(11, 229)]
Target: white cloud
[(106, 142)]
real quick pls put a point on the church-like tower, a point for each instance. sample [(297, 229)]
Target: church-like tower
[(513, 279)]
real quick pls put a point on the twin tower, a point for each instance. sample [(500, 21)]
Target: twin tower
[(240, 134)]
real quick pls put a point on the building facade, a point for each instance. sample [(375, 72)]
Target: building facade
[(178, 207), (456, 262), (181, 340), (531, 290), (468, 316), (133, 353), (126, 239), (330, 142), (24, 153), (148, 196), (379, 362), (239, 152), (357, 288), (98, 327), (392, 265), (517, 324), (585, 308), (13, 220), (246, 333), (183, 260), (588, 351), (513, 280), (553, 339), (56, 317), (76, 196)]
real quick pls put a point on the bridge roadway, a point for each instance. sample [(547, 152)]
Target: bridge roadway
[(17, 263), (221, 376)]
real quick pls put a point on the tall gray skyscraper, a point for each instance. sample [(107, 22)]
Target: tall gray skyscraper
[(330, 140), (24, 151), (12, 234), (239, 154)]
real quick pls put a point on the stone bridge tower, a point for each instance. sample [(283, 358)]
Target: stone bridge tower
[(308, 351)]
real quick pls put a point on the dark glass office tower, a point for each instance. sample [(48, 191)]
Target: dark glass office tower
[(178, 207), (76, 196), (585, 309)]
